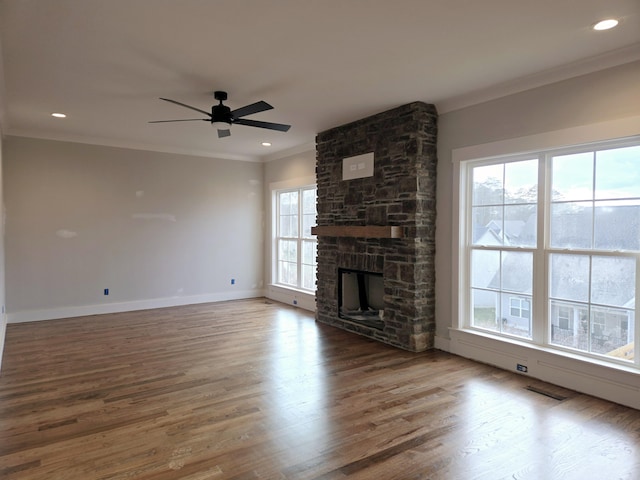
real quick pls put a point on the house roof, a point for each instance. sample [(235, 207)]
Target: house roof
[(320, 64), (612, 278)]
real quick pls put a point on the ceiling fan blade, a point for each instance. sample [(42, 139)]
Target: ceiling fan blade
[(251, 109), (184, 120), (268, 125), (186, 106), (224, 133)]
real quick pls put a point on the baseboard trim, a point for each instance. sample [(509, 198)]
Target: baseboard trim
[(3, 330), (441, 343), (293, 297), (84, 310), (618, 384)]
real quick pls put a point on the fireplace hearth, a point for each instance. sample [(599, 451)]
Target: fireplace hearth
[(376, 235)]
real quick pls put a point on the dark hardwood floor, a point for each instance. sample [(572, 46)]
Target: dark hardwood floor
[(257, 390)]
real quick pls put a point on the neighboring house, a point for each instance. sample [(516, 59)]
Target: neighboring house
[(515, 300), (611, 329), (515, 310), (612, 324)]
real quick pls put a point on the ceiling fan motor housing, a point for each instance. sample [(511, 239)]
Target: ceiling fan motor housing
[(221, 113)]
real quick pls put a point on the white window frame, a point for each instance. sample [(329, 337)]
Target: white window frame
[(540, 306), (300, 239)]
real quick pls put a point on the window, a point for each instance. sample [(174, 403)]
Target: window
[(552, 248), (519, 307), (503, 238), (565, 319), (295, 246)]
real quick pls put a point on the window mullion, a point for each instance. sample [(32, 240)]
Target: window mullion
[(276, 273), (539, 321), (300, 234)]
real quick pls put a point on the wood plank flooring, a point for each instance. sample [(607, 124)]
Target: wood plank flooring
[(258, 390)]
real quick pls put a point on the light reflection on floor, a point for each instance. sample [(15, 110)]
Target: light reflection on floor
[(298, 383), (501, 431), (544, 440)]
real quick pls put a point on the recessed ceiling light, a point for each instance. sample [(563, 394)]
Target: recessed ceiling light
[(58, 115), (266, 144), (606, 24)]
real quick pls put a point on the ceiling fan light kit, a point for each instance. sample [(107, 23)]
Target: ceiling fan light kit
[(222, 117)]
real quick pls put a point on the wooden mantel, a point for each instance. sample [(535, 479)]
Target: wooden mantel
[(362, 231)]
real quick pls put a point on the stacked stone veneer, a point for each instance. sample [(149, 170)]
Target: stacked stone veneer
[(402, 192)]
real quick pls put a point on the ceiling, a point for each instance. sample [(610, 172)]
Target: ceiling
[(320, 63)]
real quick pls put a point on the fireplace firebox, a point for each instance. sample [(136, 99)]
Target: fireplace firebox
[(361, 297)]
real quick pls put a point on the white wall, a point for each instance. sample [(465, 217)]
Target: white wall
[(156, 229), (553, 111), (287, 172)]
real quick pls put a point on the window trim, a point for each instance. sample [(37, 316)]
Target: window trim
[(541, 335)]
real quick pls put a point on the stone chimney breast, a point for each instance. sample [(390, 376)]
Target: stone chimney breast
[(401, 196)]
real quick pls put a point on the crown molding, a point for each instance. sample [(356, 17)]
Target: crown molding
[(288, 152), (131, 145), (585, 66)]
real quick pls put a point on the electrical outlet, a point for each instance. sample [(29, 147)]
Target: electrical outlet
[(522, 368), (106, 291), (233, 281)]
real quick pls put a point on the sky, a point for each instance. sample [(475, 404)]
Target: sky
[(617, 173)]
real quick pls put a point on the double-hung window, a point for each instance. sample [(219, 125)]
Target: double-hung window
[(295, 246), (552, 248)]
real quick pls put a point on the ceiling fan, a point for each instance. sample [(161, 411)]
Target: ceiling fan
[(222, 117)]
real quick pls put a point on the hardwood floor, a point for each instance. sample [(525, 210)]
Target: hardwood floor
[(257, 390)]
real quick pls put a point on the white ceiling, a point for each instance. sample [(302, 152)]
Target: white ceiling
[(320, 63)]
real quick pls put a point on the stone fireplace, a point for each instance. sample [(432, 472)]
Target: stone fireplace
[(376, 235)]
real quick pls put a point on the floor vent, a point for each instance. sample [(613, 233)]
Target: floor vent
[(546, 393)]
